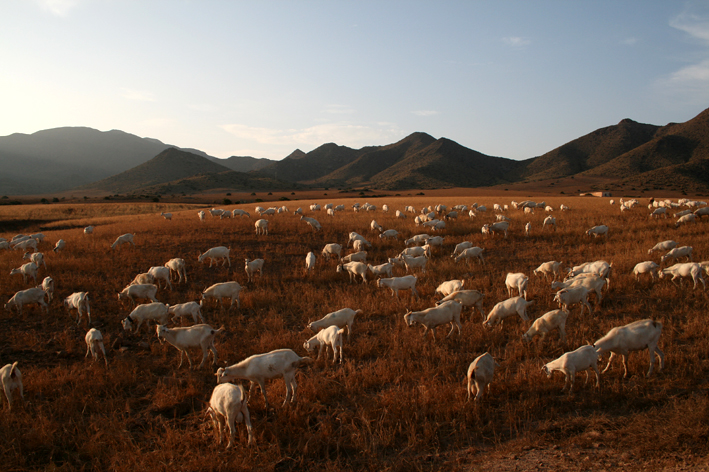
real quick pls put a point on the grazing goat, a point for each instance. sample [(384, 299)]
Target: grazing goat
[(228, 405), (201, 215), (158, 312), (201, 335), (123, 239), (251, 267), (636, 336), (340, 318), (471, 252), (551, 320), (583, 358), (596, 231), (167, 216), (144, 291), (223, 290), (310, 262), (690, 218), (430, 318), (647, 267), (177, 269), (460, 247), (381, 269), (94, 342), (676, 253), (518, 281), (330, 336), (407, 282), (571, 296), (11, 379), (48, 286), (507, 308), (215, 253), (26, 270), (36, 257), (414, 262), (552, 268), (450, 286), (360, 256), (471, 298), (161, 273), (89, 229), (59, 246), (260, 367), (332, 249), (184, 309), (78, 301), (354, 269), (663, 246), (480, 374), (315, 224), (26, 297), (499, 227), (687, 269)]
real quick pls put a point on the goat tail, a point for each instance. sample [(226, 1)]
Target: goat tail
[(304, 361), (13, 368), (220, 330)]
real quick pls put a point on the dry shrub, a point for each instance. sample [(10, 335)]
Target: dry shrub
[(398, 400)]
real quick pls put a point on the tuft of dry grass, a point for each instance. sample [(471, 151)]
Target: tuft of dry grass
[(398, 400)]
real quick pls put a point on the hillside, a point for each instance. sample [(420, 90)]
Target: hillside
[(311, 166), (239, 163), (171, 164)]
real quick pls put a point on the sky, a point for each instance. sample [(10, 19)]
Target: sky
[(261, 78)]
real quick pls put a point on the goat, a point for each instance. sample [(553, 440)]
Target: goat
[(549, 268), (36, 257), (471, 252), (381, 269), (252, 266), (518, 281), (161, 273), (676, 253), (547, 322), (48, 286), (26, 297), (471, 298), (215, 253), (260, 367), (144, 291), (687, 269), (78, 301), (407, 282), (310, 261), (330, 336), (177, 269), (571, 296), (480, 374), (596, 231), (663, 246), (123, 239), (354, 269), (11, 379), (430, 318), (332, 249), (647, 267), (223, 290), (201, 335), (26, 270), (583, 358), (499, 227), (167, 216), (228, 405), (261, 227), (340, 318), (450, 286), (315, 224), (636, 336), (506, 308), (59, 246), (184, 309), (155, 311), (94, 342)]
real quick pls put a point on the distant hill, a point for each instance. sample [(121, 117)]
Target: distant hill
[(177, 171), (243, 163)]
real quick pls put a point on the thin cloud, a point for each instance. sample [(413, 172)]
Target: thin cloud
[(425, 112), (516, 41), (138, 95), (693, 22), (338, 109), (347, 134), (629, 41), (57, 7)]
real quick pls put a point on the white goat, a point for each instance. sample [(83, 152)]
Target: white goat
[(223, 290), (261, 226), (518, 281), (690, 218), (549, 220), (260, 367), (184, 309), (155, 311), (583, 358), (374, 226), (167, 216), (26, 270), (450, 286), (143, 291), (360, 256), (414, 262), (340, 318), (687, 269), (201, 214), (238, 212), (330, 336), (315, 224), (381, 269), (471, 298), (469, 253), (11, 379), (571, 296), (29, 243), (499, 227), (36, 257), (407, 282), (480, 374), (389, 234), (122, 239), (89, 229), (460, 247), (647, 267), (552, 268), (663, 246), (360, 244), (600, 230), (48, 286), (215, 253), (177, 269), (161, 273), (430, 318), (636, 336), (507, 308), (419, 240), (310, 262), (549, 321), (78, 301), (94, 342), (201, 335), (676, 253), (59, 246), (251, 267), (354, 269), (332, 249), (26, 297), (228, 405)]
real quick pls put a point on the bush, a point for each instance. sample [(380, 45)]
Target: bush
[(226, 201)]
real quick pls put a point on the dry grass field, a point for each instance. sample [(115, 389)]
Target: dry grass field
[(398, 402)]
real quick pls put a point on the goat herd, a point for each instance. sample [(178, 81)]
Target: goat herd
[(228, 402)]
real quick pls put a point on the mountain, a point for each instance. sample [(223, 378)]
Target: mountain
[(63, 158), (591, 150), (311, 166), (243, 163)]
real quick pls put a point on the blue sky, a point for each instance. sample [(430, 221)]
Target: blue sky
[(511, 79)]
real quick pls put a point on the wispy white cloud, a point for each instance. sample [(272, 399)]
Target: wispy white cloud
[(58, 7), (629, 41), (348, 134), (694, 21), (516, 41), (138, 95), (425, 112)]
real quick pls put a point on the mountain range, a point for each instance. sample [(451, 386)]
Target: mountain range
[(626, 154)]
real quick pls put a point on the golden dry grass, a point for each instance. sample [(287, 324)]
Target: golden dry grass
[(398, 401)]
